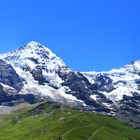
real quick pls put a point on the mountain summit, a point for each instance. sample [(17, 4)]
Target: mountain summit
[(37, 52), (38, 67), (33, 72)]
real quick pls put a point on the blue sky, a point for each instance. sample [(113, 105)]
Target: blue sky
[(86, 34)]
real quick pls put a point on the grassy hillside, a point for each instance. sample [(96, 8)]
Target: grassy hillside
[(48, 121)]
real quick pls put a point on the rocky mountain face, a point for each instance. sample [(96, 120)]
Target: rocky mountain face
[(9, 77), (10, 85), (33, 73), (45, 75), (122, 86)]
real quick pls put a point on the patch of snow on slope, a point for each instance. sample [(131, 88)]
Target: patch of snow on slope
[(9, 90), (118, 93), (94, 97)]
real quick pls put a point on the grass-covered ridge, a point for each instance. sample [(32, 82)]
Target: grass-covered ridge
[(48, 121)]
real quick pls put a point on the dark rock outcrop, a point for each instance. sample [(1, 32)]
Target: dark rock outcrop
[(37, 74), (8, 76), (103, 83), (130, 110), (82, 89)]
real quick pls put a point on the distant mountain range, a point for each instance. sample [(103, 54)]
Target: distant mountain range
[(33, 73)]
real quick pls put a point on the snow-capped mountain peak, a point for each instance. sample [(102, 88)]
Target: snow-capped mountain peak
[(124, 80), (35, 47), (34, 43), (36, 64), (33, 54), (133, 67), (38, 68), (32, 49)]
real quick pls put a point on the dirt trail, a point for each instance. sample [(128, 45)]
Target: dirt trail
[(94, 133)]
